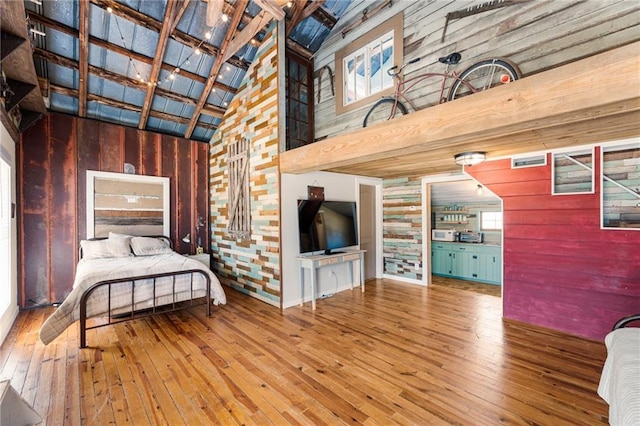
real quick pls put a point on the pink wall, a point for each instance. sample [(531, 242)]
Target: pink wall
[(561, 270)]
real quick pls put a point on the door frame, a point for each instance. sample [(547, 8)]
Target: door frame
[(377, 184), (426, 222)]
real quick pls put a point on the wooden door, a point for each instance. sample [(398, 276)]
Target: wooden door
[(368, 229)]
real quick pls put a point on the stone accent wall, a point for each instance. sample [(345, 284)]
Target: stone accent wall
[(402, 227), (251, 266)]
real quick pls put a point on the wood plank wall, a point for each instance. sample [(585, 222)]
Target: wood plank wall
[(53, 158), (251, 266), (536, 35), (560, 269)]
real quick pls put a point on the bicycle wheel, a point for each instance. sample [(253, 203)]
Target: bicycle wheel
[(381, 111), (482, 76)]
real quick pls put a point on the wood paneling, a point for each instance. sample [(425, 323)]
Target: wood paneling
[(592, 100), (395, 354), (560, 269), (53, 159)]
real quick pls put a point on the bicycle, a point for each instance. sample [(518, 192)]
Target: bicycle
[(480, 76)]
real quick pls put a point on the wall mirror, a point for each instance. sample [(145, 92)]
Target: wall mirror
[(127, 204)]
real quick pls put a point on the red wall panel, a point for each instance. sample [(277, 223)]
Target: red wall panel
[(55, 155), (560, 269)]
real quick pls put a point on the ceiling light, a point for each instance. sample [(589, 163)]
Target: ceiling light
[(110, 9), (208, 34), (224, 17), (470, 158), (172, 76), (480, 190), (198, 51)]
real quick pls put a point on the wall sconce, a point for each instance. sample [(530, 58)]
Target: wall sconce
[(187, 238), (480, 190), (470, 158)]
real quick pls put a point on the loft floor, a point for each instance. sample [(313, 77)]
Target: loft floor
[(398, 353)]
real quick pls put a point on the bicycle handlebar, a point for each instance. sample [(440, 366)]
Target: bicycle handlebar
[(392, 73)]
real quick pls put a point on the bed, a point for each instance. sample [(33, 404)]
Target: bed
[(620, 380), (124, 277)]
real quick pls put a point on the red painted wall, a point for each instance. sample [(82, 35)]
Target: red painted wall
[(561, 270), (53, 157)]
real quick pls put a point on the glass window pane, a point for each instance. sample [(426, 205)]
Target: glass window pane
[(349, 81), (361, 77), (573, 172), (303, 93), (387, 62), (375, 68)]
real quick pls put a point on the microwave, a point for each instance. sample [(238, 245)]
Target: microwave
[(443, 235)]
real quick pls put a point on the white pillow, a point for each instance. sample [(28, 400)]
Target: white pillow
[(146, 246), (116, 235), (99, 249)]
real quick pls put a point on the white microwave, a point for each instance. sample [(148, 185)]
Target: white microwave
[(443, 235)]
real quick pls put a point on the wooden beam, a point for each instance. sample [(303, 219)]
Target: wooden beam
[(272, 8), (83, 64), (163, 39), (586, 101), (212, 110), (246, 34), (215, 69), (145, 21), (300, 13), (126, 106), (123, 51)]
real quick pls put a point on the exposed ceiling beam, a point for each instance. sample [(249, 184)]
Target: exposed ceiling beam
[(83, 37), (163, 38), (300, 13), (126, 106), (324, 17), (123, 51), (145, 21), (215, 69), (299, 49), (208, 109), (272, 8), (247, 34)]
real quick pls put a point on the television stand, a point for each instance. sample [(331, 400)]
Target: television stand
[(316, 262)]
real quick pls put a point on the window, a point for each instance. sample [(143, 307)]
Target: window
[(490, 221), (361, 66), (621, 186), (365, 70), (572, 172), (299, 85), (529, 161)]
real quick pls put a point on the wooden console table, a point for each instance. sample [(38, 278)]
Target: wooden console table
[(313, 263)]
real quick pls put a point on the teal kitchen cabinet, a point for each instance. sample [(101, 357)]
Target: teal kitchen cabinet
[(475, 262)]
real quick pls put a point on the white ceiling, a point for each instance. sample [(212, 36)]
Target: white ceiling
[(460, 192)]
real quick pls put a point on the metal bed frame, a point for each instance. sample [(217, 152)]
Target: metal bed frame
[(173, 306)]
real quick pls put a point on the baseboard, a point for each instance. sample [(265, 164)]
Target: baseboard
[(403, 279)]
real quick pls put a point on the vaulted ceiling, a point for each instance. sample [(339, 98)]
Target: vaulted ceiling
[(157, 64)]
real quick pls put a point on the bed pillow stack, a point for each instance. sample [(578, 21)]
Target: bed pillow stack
[(99, 249), (147, 246)]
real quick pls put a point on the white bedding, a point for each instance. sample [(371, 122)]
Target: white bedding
[(620, 379), (91, 271)]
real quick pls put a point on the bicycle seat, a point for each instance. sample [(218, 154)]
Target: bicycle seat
[(451, 59)]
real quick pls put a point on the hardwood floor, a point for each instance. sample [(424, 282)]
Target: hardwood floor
[(399, 354)]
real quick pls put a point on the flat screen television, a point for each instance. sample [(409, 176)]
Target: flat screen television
[(327, 225)]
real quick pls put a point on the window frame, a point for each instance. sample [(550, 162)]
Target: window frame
[(481, 220), (395, 24)]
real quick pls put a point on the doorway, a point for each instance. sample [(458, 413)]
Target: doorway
[(468, 247), (369, 229)]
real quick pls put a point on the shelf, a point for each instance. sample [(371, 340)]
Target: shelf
[(463, 222), (19, 70), (451, 212)]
